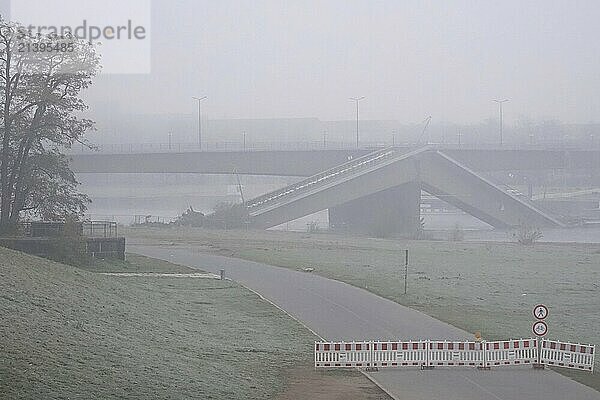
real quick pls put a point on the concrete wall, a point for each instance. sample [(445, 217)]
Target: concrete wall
[(391, 211), (338, 192), (109, 248), (462, 188)]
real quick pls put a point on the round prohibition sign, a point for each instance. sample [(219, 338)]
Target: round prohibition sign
[(539, 328), (540, 312)]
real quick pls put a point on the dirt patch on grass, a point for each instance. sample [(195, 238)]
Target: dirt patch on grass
[(303, 383)]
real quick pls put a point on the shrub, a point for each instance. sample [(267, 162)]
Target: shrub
[(312, 227), (228, 216), (527, 235), (456, 234)]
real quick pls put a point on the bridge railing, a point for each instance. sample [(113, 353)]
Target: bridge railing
[(215, 146), (125, 148), (350, 167)]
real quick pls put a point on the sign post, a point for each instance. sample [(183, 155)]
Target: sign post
[(405, 269), (539, 329)]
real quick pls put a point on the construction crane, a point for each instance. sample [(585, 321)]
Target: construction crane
[(426, 121)]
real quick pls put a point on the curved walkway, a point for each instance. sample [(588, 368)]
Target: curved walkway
[(338, 311)]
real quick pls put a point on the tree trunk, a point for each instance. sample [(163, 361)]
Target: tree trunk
[(6, 192)]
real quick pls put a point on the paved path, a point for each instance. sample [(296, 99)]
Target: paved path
[(337, 311)]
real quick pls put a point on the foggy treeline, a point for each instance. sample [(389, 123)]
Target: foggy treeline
[(182, 128)]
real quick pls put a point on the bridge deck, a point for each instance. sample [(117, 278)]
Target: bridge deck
[(438, 173)]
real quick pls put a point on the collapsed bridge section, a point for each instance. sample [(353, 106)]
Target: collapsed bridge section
[(383, 188)]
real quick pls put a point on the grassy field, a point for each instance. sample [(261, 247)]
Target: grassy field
[(487, 287), (72, 333)]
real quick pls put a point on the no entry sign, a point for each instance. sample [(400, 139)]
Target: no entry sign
[(540, 312)]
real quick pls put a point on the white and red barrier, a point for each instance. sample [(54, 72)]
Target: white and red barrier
[(399, 354), (435, 353), (445, 353), (567, 355), (511, 352), (343, 355)]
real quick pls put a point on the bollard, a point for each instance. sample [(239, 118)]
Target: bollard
[(222, 274)]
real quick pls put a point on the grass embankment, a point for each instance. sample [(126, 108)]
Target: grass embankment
[(487, 287), (71, 333)]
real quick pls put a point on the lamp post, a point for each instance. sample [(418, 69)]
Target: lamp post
[(357, 100), (199, 99), (500, 102)]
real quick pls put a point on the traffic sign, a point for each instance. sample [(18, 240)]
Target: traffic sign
[(540, 312), (539, 328)]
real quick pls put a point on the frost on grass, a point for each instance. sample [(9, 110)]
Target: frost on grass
[(75, 334)]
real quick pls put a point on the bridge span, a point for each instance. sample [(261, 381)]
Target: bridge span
[(371, 190), (380, 193), (310, 162)]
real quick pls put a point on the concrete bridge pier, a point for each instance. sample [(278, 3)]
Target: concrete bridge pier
[(392, 211)]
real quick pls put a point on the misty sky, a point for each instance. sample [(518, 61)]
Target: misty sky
[(448, 59)]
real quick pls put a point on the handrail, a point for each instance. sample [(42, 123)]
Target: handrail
[(343, 170), (322, 176), (104, 229)]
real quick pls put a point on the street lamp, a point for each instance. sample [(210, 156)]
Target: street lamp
[(357, 100), (500, 102), (199, 99)]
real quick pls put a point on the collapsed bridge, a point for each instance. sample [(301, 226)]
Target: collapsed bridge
[(384, 188), (379, 190)]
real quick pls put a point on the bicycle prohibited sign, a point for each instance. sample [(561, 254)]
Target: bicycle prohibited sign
[(539, 328), (540, 312)]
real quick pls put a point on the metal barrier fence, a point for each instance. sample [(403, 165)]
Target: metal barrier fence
[(567, 355), (456, 354), (392, 354), (104, 229), (345, 355), (511, 352), (95, 229), (434, 353)]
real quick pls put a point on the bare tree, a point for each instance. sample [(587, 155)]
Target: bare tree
[(41, 78)]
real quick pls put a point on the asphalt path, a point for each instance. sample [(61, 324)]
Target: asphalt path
[(337, 311)]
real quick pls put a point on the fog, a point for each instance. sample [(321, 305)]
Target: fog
[(410, 59), (230, 199)]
